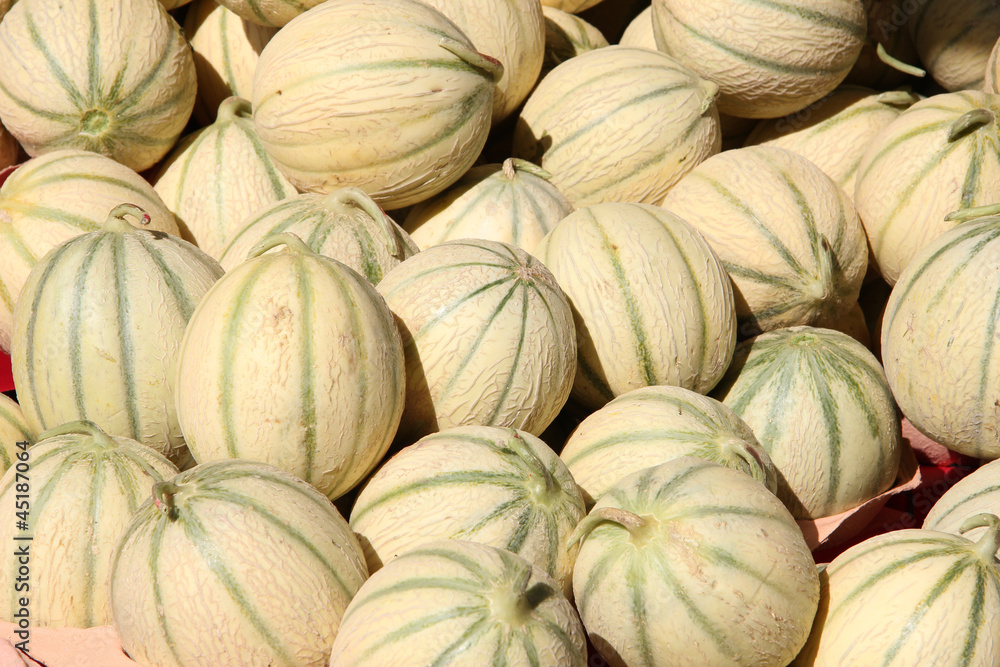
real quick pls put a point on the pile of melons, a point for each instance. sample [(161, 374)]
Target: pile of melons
[(497, 332)]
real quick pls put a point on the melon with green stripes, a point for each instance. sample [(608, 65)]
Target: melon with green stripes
[(652, 425), (652, 302), (488, 334), (345, 225), (567, 35), (83, 487), (910, 597), (690, 563), (939, 338), (453, 602), (618, 124), (219, 176), (115, 77), (294, 359), (51, 199), (270, 13), (785, 231), (976, 493), (14, 429), (226, 48), (940, 155), (397, 102), (819, 403), (513, 202), (768, 58), (954, 40), (501, 487), (233, 562), (97, 332), (834, 131)]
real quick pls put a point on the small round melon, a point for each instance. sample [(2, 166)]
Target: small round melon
[(691, 563), (233, 563), (977, 493), (954, 40), (396, 101), (652, 303), (115, 77), (618, 124), (14, 431), (567, 35), (819, 403), (785, 231), (293, 359), (488, 335), (461, 604)]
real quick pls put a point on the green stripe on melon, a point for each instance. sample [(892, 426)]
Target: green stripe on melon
[(83, 488), (13, 429), (977, 493), (249, 537)]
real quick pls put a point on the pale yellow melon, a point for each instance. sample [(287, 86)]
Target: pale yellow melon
[(571, 6), (567, 35), (111, 76), (220, 175), (226, 48), (54, 197), (272, 13), (786, 233), (992, 70), (768, 59), (940, 155), (618, 124), (954, 40), (15, 434), (639, 31), (396, 101)]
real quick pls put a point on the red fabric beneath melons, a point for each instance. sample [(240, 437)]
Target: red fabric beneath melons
[(6, 377)]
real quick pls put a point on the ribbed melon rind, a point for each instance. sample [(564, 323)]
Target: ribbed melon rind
[(218, 176), (82, 494), (444, 604), (938, 339), (977, 493), (97, 334), (938, 601), (914, 154), (720, 573), (292, 359), (384, 106), (270, 13), (652, 425), (13, 430), (766, 212), (618, 124), (488, 334), (820, 405), (477, 483), (248, 538), (111, 76), (652, 302), (567, 35), (768, 58), (54, 197), (954, 41)]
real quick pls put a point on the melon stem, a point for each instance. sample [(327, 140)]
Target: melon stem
[(989, 543), (287, 239), (964, 214), (491, 66), (822, 288), (897, 98), (163, 498), (633, 523), (512, 165), (512, 605), (80, 427), (116, 221), (232, 108), (896, 64), (352, 196), (969, 122)]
